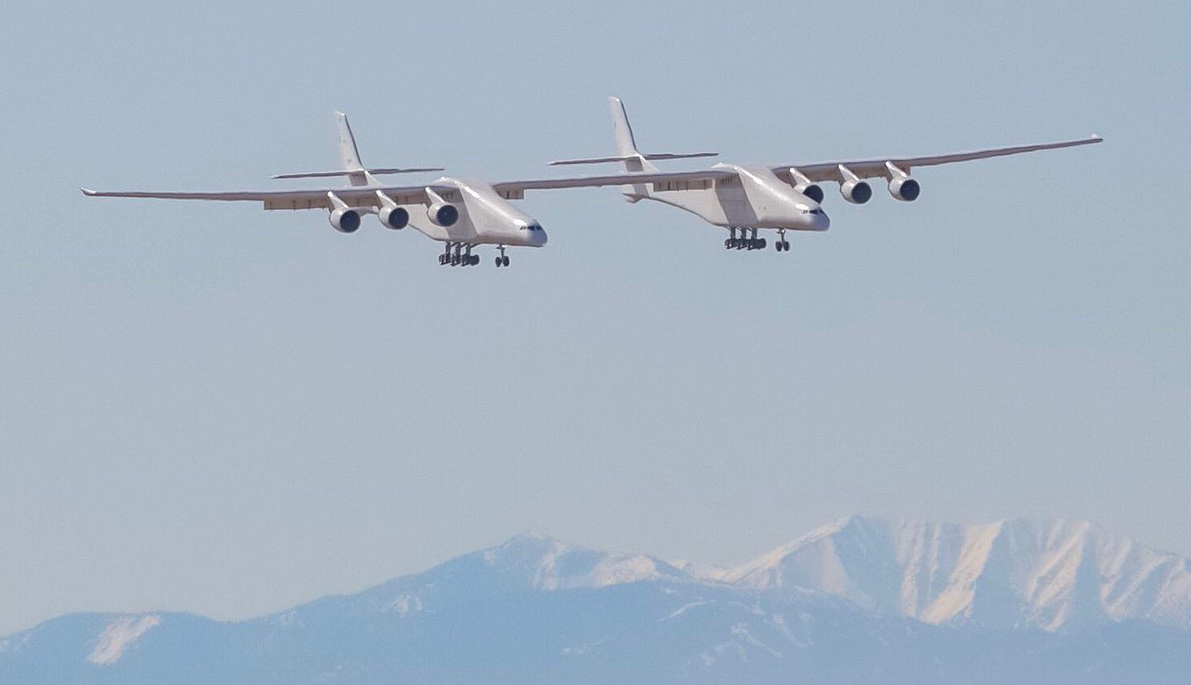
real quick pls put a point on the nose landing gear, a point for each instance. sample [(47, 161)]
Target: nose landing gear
[(781, 245), (502, 259)]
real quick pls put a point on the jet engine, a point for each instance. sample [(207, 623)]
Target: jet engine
[(904, 188), (395, 218), (443, 214), (857, 192), (811, 190), (345, 220)]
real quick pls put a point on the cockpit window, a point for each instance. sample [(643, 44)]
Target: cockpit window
[(812, 211)]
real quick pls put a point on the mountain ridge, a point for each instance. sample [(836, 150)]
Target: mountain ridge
[(858, 598)]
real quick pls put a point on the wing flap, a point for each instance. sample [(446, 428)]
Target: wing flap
[(657, 156)]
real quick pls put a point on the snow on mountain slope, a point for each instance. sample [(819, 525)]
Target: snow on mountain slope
[(120, 634), (1050, 575)]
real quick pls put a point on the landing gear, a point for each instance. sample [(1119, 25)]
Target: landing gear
[(458, 254), (781, 244), (746, 241), (502, 259)]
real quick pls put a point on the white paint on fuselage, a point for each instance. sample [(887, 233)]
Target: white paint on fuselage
[(754, 198), (485, 218)]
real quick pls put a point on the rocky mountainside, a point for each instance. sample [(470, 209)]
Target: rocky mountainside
[(1051, 575)]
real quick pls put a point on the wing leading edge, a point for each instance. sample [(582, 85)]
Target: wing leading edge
[(874, 168)]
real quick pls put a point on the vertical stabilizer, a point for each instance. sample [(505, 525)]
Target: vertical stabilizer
[(349, 154), (626, 147)]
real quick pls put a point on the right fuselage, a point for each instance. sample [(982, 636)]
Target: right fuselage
[(753, 198)]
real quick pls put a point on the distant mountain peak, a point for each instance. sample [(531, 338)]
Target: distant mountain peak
[(546, 563)]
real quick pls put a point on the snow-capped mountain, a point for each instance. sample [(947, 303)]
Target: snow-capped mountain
[(860, 600), (1048, 575)]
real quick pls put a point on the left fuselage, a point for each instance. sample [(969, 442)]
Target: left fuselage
[(485, 218)]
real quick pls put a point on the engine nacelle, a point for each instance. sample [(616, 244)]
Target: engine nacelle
[(856, 192), (395, 218), (443, 214), (345, 220), (811, 190), (904, 188)]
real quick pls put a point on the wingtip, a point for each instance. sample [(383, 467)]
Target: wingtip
[(88, 192), (1096, 137)]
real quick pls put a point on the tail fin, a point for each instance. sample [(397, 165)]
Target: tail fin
[(349, 155), (626, 146)]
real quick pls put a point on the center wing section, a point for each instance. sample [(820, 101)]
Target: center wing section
[(874, 168), (365, 196), (622, 179)]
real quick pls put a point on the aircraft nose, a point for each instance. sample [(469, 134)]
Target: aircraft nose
[(822, 222), (539, 238)]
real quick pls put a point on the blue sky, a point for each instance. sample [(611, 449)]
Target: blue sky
[(217, 409)]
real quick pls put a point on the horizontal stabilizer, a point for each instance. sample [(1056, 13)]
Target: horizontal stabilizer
[(375, 172), (655, 156)]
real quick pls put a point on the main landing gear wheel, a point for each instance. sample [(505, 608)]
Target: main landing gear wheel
[(745, 241), (502, 259)]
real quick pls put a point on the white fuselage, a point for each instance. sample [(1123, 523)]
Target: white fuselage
[(754, 198), (485, 218)]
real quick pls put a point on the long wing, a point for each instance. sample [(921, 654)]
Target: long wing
[(314, 198), (873, 168)]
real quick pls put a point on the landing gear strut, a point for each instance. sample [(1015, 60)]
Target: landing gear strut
[(458, 254), (746, 241), (781, 244)]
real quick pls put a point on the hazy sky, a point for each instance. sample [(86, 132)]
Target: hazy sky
[(211, 408)]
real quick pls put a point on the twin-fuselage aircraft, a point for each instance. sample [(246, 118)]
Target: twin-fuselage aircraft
[(466, 213)]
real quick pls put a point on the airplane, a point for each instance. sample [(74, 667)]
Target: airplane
[(748, 197), (466, 213)]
